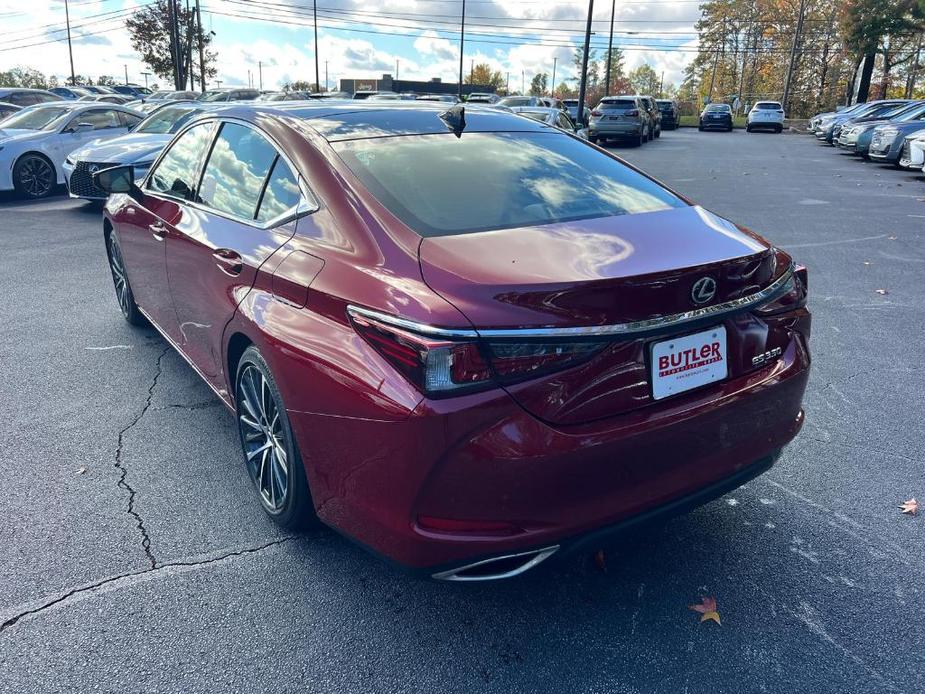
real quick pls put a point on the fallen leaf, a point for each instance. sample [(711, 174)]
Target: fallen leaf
[(81, 470), (882, 292), (911, 507), (891, 238), (600, 560), (707, 610)]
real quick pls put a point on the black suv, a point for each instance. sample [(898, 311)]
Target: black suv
[(671, 114)]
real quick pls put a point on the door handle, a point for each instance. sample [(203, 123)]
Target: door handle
[(158, 230), (228, 261)]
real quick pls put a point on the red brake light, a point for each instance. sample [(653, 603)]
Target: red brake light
[(448, 367), (597, 113), (793, 297)]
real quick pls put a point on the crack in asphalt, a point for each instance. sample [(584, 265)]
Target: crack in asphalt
[(164, 568), (123, 478)]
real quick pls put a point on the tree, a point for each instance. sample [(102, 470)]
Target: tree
[(617, 84), (539, 84), (644, 80), (301, 86), (78, 79), (23, 77), (149, 31), (105, 81), (482, 74)]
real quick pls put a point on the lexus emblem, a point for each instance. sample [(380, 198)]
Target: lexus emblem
[(93, 168), (703, 290)]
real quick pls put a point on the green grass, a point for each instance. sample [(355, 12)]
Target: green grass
[(691, 121)]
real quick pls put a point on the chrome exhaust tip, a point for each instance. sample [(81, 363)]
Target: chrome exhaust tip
[(497, 568)]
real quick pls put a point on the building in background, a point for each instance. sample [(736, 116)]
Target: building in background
[(388, 84)]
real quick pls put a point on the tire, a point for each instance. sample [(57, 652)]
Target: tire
[(658, 133), (592, 139), (271, 454), (642, 140), (700, 127), (748, 128), (34, 176), (120, 282), (779, 129)]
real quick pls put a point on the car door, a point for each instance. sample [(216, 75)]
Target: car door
[(219, 244), (144, 226)]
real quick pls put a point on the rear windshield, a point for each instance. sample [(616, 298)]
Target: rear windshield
[(665, 105), (768, 106), (166, 120), (621, 104), (718, 107), (440, 184)]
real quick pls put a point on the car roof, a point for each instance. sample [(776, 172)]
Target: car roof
[(9, 90), (350, 119)]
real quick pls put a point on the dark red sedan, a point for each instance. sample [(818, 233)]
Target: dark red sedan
[(467, 340)]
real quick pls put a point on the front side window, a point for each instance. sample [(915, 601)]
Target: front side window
[(281, 194), (237, 168), (100, 120), (440, 184), (176, 173)]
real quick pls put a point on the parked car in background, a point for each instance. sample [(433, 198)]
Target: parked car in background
[(886, 142), (671, 113), (913, 151), (216, 95), (444, 98), (27, 97), (514, 101), (765, 115), (620, 118), (385, 96), (35, 141), (571, 107), (716, 117), (366, 93), (108, 98), (137, 149), (97, 89), (173, 95), (69, 92), (468, 353), (829, 128), (552, 116), (131, 90), (8, 110), (856, 134), (655, 116), (483, 98), (284, 96)]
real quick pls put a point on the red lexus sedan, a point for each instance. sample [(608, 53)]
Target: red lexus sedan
[(467, 340)]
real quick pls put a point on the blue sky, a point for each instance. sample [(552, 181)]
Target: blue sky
[(359, 38)]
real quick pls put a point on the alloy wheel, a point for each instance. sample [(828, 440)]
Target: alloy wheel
[(264, 438), (36, 177), (117, 266)]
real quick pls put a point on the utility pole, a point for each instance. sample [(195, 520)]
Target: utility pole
[(260, 71), (250, 83), (126, 73), (326, 75), (661, 85), (523, 82), (188, 51), (552, 90), (397, 61), (174, 43), (146, 78), (508, 88), (202, 60), (583, 85), (793, 55), (462, 46), (70, 50), (472, 71), (317, 71), (910, 83), (613, 9), (715, 61)]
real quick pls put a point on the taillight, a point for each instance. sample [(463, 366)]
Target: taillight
[(451, 367), (597, 113), (793, 296)]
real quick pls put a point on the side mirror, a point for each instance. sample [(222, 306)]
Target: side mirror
[(118, 179), (80, 128)]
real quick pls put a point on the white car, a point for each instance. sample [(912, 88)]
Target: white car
[(765, 114), (35, 141), (555, 117), (913, 152)]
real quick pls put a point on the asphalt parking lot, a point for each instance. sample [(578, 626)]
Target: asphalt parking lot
[(134, 556)]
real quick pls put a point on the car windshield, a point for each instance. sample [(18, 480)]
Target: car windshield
[(38, 118), (166, 120), (910, 113), (441, 185)]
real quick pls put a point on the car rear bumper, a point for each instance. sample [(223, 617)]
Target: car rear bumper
[(482, 458), (607, 129), (719, 125)]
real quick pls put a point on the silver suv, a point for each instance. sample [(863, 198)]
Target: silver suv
[(619, 118)]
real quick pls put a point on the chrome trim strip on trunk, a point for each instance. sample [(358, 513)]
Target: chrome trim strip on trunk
[(615, 330), (536, 556)]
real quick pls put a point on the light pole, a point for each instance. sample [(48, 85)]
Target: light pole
[(326, 75), (317, 71), (613, 8), (260, 72), (462, 46), (146, 78), (583, 85), (523, 82), (70, 50), (126, 73), (552, 89)]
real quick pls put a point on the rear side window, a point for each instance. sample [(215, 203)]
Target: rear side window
[(617, 104), (440, 184), (176, 173), (237, 168), (282, 193)]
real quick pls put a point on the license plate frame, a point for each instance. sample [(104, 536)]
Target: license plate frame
[(689, 370)]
